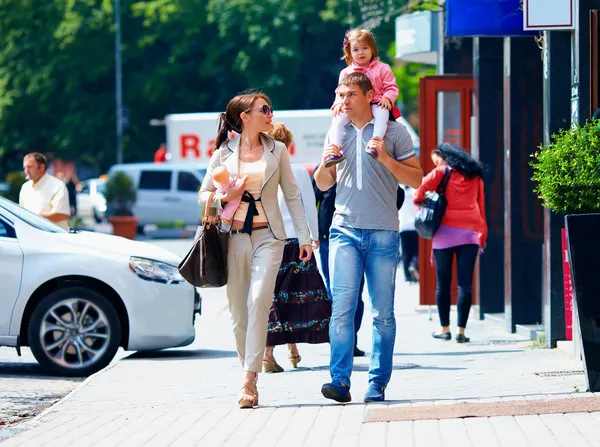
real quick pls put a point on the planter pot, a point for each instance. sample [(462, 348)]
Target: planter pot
[(584, 250), (125, 226)]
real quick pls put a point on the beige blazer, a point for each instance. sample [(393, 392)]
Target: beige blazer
[(277, 172)]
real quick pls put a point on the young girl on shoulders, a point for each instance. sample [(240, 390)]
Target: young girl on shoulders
[(361, 55)]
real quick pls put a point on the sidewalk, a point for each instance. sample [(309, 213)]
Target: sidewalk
[(187, 396)]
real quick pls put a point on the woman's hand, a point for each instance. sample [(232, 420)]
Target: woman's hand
[(235, 191), (315, 244), (305, 253)]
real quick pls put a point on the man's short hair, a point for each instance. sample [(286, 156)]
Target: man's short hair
[(359, 79), (40, 159)]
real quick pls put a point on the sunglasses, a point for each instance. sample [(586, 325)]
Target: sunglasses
[(265, 110)]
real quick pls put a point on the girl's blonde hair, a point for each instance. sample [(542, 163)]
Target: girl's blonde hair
[(361, 35), (281, 133)]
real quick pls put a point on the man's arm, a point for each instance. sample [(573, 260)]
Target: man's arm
[(325, 177), (59, 206), (408, 172), (54, 217)]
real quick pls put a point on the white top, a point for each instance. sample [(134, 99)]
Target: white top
[(408, 211), (255, 172), (48, 195), (307, 194)]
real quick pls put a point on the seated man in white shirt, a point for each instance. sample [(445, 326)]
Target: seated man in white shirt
[(44, 194)]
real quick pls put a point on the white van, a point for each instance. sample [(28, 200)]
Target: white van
[(166, 192)]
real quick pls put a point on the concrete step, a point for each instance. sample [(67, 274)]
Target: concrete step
[(529, 331), (495, 318)]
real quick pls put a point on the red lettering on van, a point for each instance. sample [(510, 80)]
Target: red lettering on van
[(211, 147), (189, 142)]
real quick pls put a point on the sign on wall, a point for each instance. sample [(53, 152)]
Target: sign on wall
[(549, 14)]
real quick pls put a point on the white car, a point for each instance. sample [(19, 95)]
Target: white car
[(90, 199), (75, 297)]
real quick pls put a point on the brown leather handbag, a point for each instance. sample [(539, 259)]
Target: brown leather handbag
[(205, 265)]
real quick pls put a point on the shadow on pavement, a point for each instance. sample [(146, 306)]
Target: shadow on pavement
[(175, 354), (30, 369), (410, 354), (397, 366)]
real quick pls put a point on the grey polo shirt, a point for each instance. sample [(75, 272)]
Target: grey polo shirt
[(366, 191)]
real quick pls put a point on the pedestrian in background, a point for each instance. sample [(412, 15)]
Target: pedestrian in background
[(364, 237), (409, 238), (44, 194), (462, 233), (257, 232), (301, 308)]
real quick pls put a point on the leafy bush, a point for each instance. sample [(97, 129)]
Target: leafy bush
[(120, 195), (567, 170), (14, 180)]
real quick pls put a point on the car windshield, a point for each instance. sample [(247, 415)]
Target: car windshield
[(31, 218)]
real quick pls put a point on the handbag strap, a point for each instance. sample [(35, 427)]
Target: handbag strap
[(207, 219), (441, 189)]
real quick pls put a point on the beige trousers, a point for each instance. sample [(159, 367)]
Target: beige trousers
[(253, 263)]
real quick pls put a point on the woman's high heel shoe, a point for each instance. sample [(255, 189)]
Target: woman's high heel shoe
[(248, 397), (294, 360), (270, 365)]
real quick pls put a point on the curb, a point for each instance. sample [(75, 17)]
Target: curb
[(28, 425)]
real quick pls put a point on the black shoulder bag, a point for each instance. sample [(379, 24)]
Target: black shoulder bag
[(429, 216), (205, 265)]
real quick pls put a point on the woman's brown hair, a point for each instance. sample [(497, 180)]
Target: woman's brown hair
[(230, 120), (281, 133), (361, 35)]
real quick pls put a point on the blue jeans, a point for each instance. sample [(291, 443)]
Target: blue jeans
[(355, 253), (324, 258)]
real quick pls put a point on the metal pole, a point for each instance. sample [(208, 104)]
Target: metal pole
[(118, 82)]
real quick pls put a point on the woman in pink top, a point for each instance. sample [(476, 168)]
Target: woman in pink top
[(361, 55)]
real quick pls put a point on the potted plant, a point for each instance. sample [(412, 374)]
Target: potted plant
[(120, 198), (567, 172)]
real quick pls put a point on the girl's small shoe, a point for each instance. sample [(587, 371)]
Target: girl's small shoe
[(372, 152), (461, 338), (333, 160), (443, 336)]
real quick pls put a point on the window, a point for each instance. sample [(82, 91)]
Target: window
[(155, 180), (6, 230), (186, 181)]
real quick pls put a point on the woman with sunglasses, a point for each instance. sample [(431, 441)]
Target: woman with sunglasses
[(257, 232)]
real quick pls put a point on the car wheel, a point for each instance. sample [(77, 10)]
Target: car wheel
[(74, 332)]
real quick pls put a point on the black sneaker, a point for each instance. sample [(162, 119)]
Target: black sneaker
[(336, 391)]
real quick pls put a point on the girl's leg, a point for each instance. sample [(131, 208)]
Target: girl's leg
[(443, 275), (382, 117), (465, 263), (336, 132)]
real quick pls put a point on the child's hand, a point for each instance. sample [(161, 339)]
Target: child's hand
[(337, 109), (385, 103)]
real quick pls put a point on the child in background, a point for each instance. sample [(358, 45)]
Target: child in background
[(361, 55)]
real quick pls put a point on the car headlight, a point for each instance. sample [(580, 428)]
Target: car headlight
[(155, 270)]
